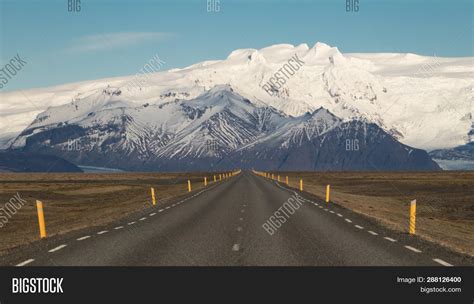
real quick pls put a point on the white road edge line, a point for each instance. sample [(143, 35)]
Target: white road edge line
[(440, 261), (413, 249), (25, 262), (102, 232), (119, 227), (83, 238), (57, 248), (390, 239)]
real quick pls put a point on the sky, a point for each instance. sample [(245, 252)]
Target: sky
[(109, 38)]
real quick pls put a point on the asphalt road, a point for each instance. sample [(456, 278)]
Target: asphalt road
[(222, 225)]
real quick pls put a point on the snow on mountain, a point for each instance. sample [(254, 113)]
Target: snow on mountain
[(218, 129), (424, 102)]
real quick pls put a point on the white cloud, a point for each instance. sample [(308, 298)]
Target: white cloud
[(108, 41)]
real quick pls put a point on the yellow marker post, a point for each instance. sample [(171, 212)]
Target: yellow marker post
[(328, 189), (278, 177), (153, 196), (301, 184), (220, 177), (412, 217), (273, 176), (189, 186), (287, 180), (205, 180), (214, 178), (42, 225)]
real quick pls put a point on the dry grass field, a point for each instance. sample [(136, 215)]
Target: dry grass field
[(74, 201), (445, 200)]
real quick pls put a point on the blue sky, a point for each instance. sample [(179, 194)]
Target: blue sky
[(115, 38)]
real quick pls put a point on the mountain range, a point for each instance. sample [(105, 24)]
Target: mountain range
[(338, 112)]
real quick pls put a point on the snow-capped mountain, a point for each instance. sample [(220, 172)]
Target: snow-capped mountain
[(219, 130), (425, 102)]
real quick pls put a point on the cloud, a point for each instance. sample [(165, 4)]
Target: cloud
[(109, 41)]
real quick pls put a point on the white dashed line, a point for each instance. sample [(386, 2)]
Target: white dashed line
[(142, 219), (161, 210), (174, 205), (168, 207), (242, 211), (373, 233), (348, 220), (131, 223), (235, 247), (119, 227), (316, 204), (321, 207), (390, 239), (57, 248), (25, 262), (83, 238), (326, 210), (331, 211), (152, 214), (358, 227), (413, 249), (241, 219), (440, 261), (239, 228), (102, 232), (340, 215)]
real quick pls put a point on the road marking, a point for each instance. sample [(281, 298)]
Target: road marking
[(340, 215), (119, 227), (239, 228), (440, 261), (359, 227), (161, 210), (57, 248), (235, 247), (321, 207), (83, 238), (131, 223), (390, 239), (413, 249), (102, 232), (316, 204), (326, 210), (373, 233), (142, 219), (241, 219), (152, 214), (348, 220), (331, 211), (168, 207), (173, 205), (242, 210), (25, 262)]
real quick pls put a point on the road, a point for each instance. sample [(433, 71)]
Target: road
[(222, 225)]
